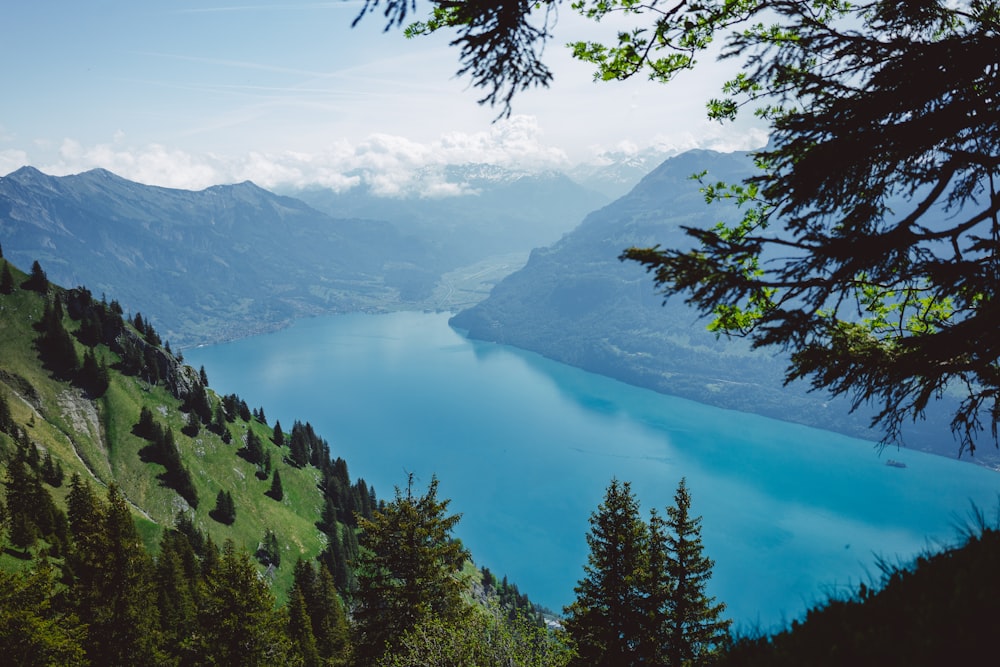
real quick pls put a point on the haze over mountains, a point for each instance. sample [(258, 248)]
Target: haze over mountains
[(234, 260), (576, 303)]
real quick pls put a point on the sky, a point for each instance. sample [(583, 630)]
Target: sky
[(191, 94)]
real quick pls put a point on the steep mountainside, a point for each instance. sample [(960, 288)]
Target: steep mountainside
[(103, 410), (575, 302), (208, 265)]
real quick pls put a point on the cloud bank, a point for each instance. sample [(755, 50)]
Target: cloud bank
[(389, 165)]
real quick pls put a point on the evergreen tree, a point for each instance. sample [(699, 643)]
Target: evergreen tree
[(325, 612), (93, 375), (219, 420), (112, 579), (34, 632), (279, 437), (6, 279), (330, 625), (176, 595), (253, 451), (6, 417), (300, 630), (276, 491), (408, 571), (269, 551), (695, 620), (21, 498), (657, 587), (225, 508), (239, 624), (37, 280), (55, 345), (606, 621)]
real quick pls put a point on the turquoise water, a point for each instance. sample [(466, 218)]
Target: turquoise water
[(525, 448)]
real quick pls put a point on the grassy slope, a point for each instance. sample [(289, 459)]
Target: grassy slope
[(95, 439)]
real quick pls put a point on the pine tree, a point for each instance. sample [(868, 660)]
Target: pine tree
[(657, 587), (253, 451), (37, 280), (408, 571), (177, 579), (225, 508), (276, 491), (238, 620), (6, 279), (300, 630), (33, 631), (23, 530), (112, 579), (606, 621), (325, 612), (55, 345), (694, 618), (329, 619), (269, 552)]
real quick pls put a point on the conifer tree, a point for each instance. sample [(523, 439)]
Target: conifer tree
[(23, 530), (329, 619), (657, 587), (6, 418), (55, 345), (225, 508), (37, 280), (6, 279), (642, 600), (238, 620), (694, 618), (276, 491), (300, 630), (33, 631), (606, 621), (177, 580), (112, 582), (408, 571)]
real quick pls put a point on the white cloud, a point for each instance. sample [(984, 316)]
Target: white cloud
[(390, 165)]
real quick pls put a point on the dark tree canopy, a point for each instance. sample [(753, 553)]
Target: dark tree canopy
[(870, 245), (409, 570)]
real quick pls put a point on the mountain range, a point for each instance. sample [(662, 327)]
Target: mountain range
[(233, 260)]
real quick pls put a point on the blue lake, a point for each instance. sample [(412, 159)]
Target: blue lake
[(525, 448)]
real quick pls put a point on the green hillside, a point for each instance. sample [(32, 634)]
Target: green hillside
[(123, 474), (96, 437)]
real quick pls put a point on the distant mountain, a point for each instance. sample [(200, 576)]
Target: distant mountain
[(209, 265), (575, 302), (489, 210), (614, 173)]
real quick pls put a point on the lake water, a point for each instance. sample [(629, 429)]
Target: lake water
[(525, 448)]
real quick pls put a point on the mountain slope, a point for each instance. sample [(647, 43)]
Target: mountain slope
[(56, 413), (208, 265), (576, 303)]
